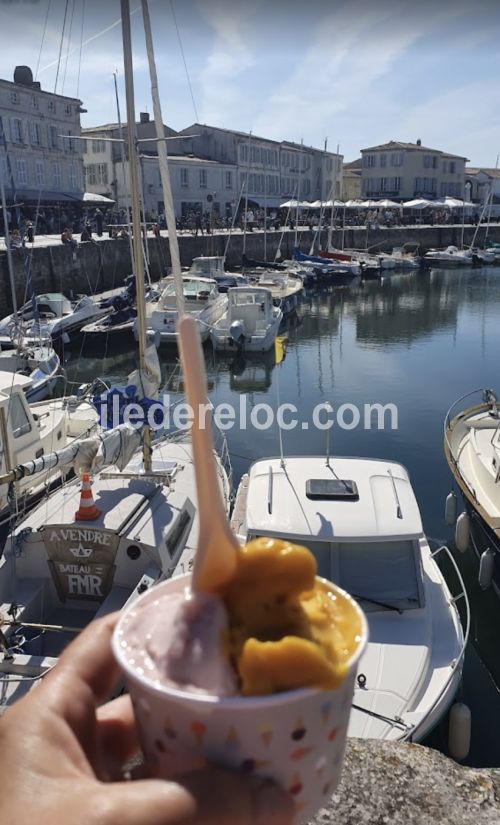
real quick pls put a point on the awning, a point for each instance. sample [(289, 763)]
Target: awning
[(93, 197), (418, 203)]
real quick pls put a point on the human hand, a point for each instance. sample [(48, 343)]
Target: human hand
[(62, 755)]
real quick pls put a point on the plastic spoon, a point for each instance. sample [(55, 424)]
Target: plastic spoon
[(217, 551)]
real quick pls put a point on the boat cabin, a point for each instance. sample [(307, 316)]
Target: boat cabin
[(197, 291), (364, 532), (252, 306), (207, 267)]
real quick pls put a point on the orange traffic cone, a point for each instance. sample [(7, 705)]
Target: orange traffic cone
[(87, 510)]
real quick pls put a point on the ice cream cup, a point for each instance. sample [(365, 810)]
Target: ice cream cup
[(296, 738)]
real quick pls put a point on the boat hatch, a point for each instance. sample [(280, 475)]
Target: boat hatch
[(332, 488)]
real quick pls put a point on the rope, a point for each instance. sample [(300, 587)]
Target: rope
[(69, 44), (43, 38), (184, 61), (61, 46), (81, 46)]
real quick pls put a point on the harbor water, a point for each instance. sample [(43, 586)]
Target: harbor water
[(417, 341)]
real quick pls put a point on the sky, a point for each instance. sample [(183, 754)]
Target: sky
[(355, 72)]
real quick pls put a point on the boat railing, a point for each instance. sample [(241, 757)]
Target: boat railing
[(465, 622), (449, 415)]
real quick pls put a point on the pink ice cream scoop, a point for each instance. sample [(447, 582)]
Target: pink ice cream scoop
[(177, 641)]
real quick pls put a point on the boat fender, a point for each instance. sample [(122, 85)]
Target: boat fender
[(153, 337), (65, 338), (486, 567), (462, 532), (450, 509), (459, 731)]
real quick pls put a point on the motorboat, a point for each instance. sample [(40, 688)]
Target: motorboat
[(203, 302), (58, 573), (360, 519), (38, 363), (250, 323), (472, 450), (451, 256), (404, 259), (285, 289), (330, 263), (213, 266), (32, 431), (53, 318)]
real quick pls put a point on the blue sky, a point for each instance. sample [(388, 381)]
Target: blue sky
[(356, 72)]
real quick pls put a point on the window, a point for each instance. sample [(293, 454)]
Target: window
[(184, 177), (102, 173), (452, 167), (39, 173), (51, 106), (203, 178), (34, 102), (369, 161), (427, 161), (243, 152), (73, 182), (228, 180), (16, 130), (434, 162), (397, 159), (98, 146), (383, 160), (68, 110), (14, 97), (35, 134), (396, 184), (21, 172), (56, 175), (18, 416), (53, 138), (389, 567), (90, 174), (383, 184)]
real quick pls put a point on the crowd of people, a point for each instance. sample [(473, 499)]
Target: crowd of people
[(25, 223)]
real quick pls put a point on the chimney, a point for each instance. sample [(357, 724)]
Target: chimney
[(143, 117), (419, 142)]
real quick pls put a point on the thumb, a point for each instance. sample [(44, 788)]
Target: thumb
[(211, 797)]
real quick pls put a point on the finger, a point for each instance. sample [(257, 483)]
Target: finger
[(117, 734), (87, 664), (212, 797)]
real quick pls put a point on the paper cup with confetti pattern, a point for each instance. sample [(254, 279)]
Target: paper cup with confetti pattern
[(297, 737)]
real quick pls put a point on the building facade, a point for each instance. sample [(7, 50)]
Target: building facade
[(198, 184), (351, 181), (403, 171), (268, 171), (40, 155), (212, 168), (483, 183)]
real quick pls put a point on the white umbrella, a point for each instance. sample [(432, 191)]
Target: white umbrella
[(356, 204), (387, 204), (455, 203), (292, 204), (418, 203), (369, 204)]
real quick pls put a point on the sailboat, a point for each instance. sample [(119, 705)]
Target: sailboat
[(35, 359), (93, 546)]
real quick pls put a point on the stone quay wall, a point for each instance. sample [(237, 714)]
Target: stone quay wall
[(102, 265)]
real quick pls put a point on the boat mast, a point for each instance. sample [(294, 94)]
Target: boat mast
[(7, 244), (163, 161), (136, 210), (246, 195)]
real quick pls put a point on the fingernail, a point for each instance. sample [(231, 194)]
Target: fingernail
[(271, 805)]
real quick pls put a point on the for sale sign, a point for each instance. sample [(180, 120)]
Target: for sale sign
[(81, 560)]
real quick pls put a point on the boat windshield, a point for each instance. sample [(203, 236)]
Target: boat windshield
[(192, 289), (379, 574)]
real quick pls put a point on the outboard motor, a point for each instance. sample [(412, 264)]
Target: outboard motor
[(237, 334)]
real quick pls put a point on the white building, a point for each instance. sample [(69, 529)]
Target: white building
[(409, 170), (483, 182), (269, 171), (197, 183), (40, 159)]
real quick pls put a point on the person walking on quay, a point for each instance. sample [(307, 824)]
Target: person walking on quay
[(99, 220), (198, 223)]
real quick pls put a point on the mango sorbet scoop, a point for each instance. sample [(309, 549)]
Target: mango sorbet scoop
[(287, 629)]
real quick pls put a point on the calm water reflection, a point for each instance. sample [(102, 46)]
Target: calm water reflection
[(416, 340)]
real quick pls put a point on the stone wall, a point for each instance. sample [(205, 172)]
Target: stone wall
[(388, 783), (103, 265)]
